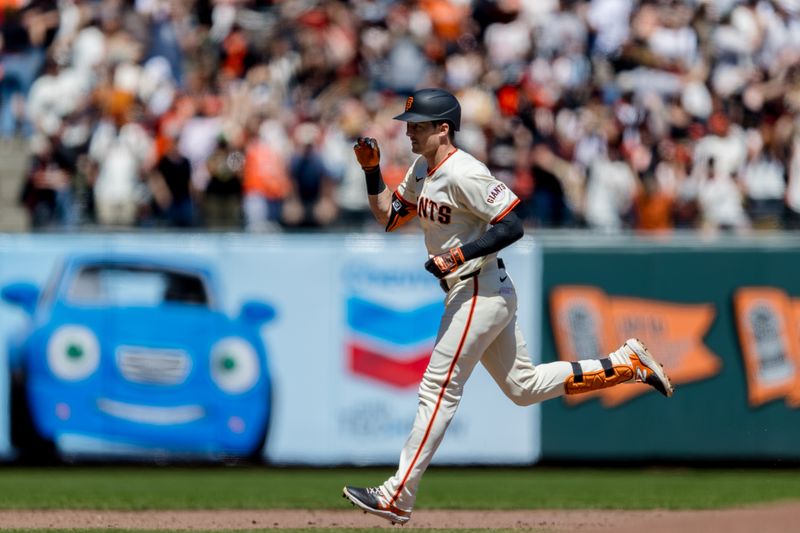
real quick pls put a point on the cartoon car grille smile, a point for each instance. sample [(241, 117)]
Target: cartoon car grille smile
[(146, 414)]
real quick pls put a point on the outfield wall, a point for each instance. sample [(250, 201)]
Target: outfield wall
[(355, 318)]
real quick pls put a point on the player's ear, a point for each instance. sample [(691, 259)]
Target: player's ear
[(450, 132)]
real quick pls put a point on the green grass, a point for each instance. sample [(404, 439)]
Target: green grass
[(133, 488)]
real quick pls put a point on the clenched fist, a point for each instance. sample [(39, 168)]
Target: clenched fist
[(367, 153)]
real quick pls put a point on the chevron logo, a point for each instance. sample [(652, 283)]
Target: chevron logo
[(388, 345), (383, 367)]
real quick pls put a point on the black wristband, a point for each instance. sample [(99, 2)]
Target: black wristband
[(374, 179)]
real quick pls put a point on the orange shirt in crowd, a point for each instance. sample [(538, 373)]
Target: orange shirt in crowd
[(12, 4), (653, 212), (448, 18), (265, 172), (235, 46)]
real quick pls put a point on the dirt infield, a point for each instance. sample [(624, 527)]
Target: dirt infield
[(764, 519)]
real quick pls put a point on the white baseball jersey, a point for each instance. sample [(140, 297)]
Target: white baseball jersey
[(456, 203)]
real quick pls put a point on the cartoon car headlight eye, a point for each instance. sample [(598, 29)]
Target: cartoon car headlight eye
[(73, 353), (234, 365)]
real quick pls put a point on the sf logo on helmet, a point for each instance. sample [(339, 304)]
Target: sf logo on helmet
[(409, 102)]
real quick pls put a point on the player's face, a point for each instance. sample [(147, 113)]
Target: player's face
[(425, 137)]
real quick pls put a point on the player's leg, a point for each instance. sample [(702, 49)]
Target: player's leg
[(468, 326), (508, 362)]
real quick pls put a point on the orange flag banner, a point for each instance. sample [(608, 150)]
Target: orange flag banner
[(793, 400), (589, 324), (769, 334)]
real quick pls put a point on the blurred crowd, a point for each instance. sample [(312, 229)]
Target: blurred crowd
[(229, 114)]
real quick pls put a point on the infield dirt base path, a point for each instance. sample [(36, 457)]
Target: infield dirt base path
[(764, 519)]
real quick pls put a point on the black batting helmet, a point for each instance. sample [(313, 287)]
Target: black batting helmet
[(432, 105)]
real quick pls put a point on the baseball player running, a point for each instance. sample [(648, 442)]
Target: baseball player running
[(467, 216)]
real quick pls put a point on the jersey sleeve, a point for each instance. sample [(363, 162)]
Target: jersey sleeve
[(404, 201), (407, 191), (487, 197)]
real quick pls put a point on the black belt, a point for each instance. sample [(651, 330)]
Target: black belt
[(446, 288)]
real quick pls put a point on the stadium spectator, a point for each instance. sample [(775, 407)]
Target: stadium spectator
[(311, 202), (610, 189), (171, 187), (223, 195), (48, 193), (121, 151), (653, 206), (793, 186), (763, 178), (266, 183), (720, 198), (25, 33)]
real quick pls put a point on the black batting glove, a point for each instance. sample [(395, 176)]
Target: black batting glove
[(368, 153), (442, 264)]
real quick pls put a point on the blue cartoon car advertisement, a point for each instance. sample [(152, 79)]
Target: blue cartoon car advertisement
[(131, 354), (289, 349)]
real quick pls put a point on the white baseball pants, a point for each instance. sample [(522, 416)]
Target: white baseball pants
[(479, 324)]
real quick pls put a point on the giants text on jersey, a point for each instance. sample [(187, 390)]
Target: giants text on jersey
[(433, 211)]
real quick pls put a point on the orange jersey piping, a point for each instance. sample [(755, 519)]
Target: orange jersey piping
[(434, 169), (441, 394), (506, 211)]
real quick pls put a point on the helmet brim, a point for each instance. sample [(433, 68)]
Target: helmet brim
[(416, 117)]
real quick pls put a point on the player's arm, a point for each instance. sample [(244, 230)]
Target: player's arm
[(388, 208), (504, 231), (380, 203)]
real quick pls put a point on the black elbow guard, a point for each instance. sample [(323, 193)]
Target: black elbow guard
[(500, 235), (513, 226)]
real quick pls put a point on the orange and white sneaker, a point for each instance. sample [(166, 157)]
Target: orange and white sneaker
[(646, 369), (371, 500)]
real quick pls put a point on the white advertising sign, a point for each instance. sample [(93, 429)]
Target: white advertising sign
[(363, 349)]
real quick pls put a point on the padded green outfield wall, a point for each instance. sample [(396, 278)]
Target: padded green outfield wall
[(724, 319)]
